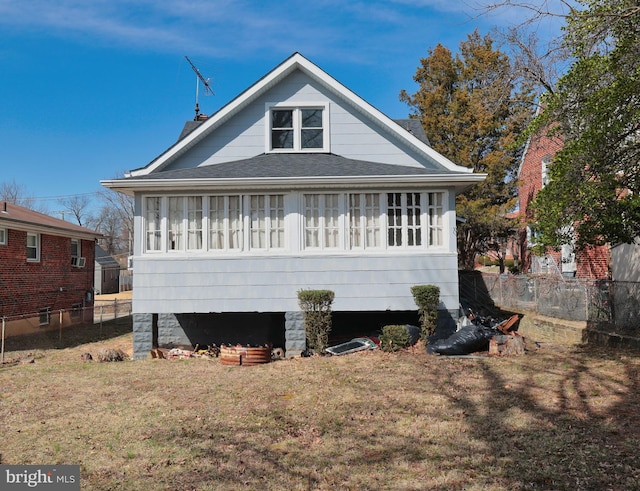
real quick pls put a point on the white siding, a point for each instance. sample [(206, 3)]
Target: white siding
[(625, 262), (351, 135), (270, 284)]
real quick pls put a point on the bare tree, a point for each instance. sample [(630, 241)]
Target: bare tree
[(116, 221), (78, 207), (16, 194)]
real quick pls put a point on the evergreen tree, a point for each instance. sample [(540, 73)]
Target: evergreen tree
[(473, 112)]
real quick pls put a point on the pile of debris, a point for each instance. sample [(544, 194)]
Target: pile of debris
[(224, 352), (105, 355), (476, 333), (211, 351)]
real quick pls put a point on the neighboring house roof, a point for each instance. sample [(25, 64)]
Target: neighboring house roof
[(19, 218), (104, 259)]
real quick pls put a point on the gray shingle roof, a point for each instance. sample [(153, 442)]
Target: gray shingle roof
[(10, 213), (105, 259), (414, 127), (291, 165)]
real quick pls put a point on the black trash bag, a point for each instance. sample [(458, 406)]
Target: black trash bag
[(467, 340)]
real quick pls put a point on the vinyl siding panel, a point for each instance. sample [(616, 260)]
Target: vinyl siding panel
[(262, 284), (625, 262), (351, 135)]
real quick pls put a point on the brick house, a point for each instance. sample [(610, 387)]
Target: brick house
[(590, 263), (46, 266)]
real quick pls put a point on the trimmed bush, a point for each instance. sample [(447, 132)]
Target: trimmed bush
[(427, 298), (316, 305), (394, 337)]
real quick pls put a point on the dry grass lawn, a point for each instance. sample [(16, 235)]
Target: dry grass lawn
[(559, 418)]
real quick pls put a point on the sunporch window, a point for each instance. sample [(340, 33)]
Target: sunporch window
[(175, 236), (404, 214), (152, 224), (225, 223), (194, 223), (266, 214), (328, 222), (364, 221), (322, 221)]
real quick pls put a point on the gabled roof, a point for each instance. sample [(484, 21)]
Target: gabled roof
[(19, 218), (291, 64)]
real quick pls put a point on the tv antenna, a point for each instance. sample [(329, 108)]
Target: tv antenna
[(205, 82)]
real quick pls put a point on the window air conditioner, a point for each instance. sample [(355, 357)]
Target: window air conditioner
[(78, 261)]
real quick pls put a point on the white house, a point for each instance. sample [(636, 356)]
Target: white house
[(297, 183)]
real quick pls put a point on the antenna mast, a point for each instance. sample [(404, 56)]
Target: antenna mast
[(205, 83)]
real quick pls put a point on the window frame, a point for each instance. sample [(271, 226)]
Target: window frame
[(44, 316), (176, 238), (156, 233), (35, 247), (365, 225), (274, 223), (194, 216), (297, 128), (231, 229), (3, 236), (76, 310), (323, 227), (235, 223), (76, 244), (78, 251)]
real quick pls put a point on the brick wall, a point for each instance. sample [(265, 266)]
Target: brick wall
[(26, 287), (592, 263)]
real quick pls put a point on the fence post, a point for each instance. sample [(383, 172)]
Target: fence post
[(60, 326), (2, 351)]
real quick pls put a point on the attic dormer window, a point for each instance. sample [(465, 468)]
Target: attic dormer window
[(297, 129)]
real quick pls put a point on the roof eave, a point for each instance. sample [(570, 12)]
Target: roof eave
[(48, 229), (131, 186)]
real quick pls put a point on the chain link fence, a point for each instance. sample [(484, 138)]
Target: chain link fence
[(61, 328), (608, 305)]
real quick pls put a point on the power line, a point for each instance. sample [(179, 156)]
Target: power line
[(45, 198)]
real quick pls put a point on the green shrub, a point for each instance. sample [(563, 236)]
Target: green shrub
[(316, 305), (427, 298), (394, 337)]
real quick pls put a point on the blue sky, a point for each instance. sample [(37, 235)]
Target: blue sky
[(89, 89)]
